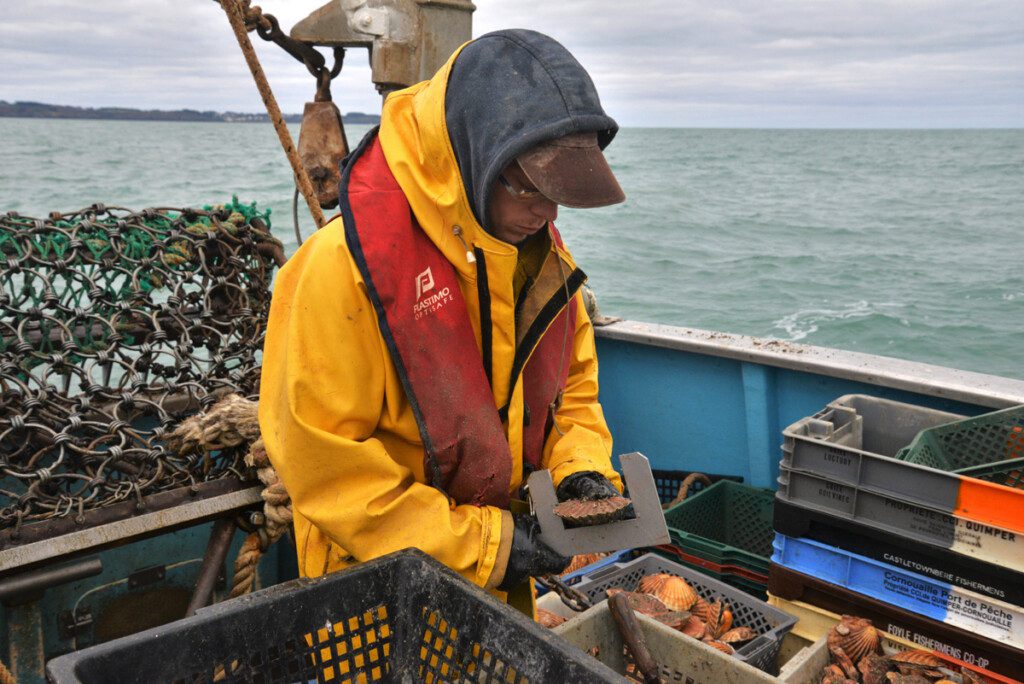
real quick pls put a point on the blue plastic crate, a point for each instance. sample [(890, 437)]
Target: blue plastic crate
[(997, 620), (576, 576)]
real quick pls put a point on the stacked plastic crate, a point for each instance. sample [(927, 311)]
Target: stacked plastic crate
[(724, 531), (921, 533)]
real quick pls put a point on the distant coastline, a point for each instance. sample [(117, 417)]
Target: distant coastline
[(39, 110)]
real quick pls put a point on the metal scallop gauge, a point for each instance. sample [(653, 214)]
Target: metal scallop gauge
[(648, 528)]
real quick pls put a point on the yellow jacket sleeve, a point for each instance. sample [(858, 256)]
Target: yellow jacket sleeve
[(341, 435), (581, 440)]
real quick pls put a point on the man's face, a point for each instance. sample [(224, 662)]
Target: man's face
[(513, 219)]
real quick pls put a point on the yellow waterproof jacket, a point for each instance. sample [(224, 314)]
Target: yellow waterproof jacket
[(333, 414)]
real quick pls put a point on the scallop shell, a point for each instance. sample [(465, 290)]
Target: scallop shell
[(737, 635), (548, 619), (719, 618), (721, 646), (581, 561), (700, 608), (694, 627), (641, 603), (855, 636), (591, 512), (673, 591), (873, 669), (916, 656)]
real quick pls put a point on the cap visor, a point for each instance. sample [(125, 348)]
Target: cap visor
[(572, 176)]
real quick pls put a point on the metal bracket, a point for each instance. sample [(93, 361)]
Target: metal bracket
[(141, 578), (647, 529), (73, 625)]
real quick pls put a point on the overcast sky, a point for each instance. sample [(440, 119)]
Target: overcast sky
[(703, 63)]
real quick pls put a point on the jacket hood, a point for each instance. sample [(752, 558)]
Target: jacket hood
[(509, 91), (447, 139)]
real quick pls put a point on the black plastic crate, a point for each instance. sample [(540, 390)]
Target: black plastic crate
[(403, 617)]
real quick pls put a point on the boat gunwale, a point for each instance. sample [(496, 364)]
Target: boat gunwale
[(922, 378)]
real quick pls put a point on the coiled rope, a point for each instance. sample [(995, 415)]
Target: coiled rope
[(231, 422)]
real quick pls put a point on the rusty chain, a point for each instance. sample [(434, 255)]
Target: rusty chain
[(571, 596), (269, 29), (114, 326)]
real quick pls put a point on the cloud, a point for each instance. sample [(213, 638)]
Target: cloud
[(655, 62)]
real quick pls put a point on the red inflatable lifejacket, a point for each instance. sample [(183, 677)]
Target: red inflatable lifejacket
[(423, 319)]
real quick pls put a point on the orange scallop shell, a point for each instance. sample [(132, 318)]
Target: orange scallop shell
[(673, 591), (694, 627), (856, 636), (700, 608), (591, 511), (719, 618), (737, 634), (917, 657), (548, 619), (581, 561), (721, 646)]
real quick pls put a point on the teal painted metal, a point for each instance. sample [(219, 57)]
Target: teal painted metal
[(761, 412), (109, 595), (695, 411)]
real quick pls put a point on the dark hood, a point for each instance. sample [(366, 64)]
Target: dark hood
[(508, 91)]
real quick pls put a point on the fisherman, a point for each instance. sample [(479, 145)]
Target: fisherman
[(429, 347)]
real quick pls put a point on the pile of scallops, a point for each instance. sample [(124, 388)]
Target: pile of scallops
[(857, 657), (673, 602)]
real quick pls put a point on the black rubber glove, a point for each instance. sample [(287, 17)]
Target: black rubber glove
[(530, 557), (590, 485)]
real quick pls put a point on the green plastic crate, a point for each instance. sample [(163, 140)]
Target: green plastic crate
[(989, 447), (728, 524)]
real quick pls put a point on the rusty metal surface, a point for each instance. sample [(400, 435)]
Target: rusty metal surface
[(221, 534), (322, 144), (126, 529)]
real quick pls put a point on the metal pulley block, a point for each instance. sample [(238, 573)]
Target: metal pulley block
[(322, 144)]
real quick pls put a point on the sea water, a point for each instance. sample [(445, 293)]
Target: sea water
[(904, 243)]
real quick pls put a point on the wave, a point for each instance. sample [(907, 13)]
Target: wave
[(806, 322)]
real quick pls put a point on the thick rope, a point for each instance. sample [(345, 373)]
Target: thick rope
[(236, 15), (684, 488), (230, 422)]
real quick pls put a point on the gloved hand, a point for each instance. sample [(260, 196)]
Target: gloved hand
[(530, 556), (590, 485)]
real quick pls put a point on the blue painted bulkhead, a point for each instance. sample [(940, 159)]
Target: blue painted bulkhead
[(697, 412)]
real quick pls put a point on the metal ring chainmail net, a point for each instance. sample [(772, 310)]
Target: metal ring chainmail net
[(116, 325)]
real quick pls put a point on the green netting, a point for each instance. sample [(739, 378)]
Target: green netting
[(988, 447)]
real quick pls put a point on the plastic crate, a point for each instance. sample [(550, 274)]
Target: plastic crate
[(962, 571), (989, 446), (770, 624), (745, 580), (403, 617), (576, 576), (669, 481), (925, 596), (727, 523), (968, 647), (805, 667), (895, 516), (852, 440), (679, 657)]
